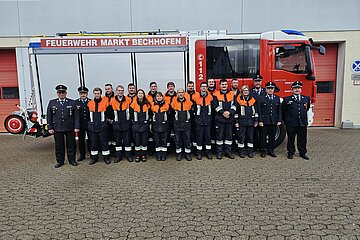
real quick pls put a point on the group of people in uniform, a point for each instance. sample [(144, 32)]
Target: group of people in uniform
[(203, 122)]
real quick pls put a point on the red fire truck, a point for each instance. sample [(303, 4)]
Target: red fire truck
[(282, 56)]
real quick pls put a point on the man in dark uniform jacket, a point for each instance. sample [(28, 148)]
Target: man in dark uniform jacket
[(84, 116), (294, 110), (270, 116), (256, 92), (63, 121)]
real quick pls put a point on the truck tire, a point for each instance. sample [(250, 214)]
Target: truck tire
[(14, 124), (280, 134)]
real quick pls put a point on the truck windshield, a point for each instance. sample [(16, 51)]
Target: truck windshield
[(291, 60), (232, 58)]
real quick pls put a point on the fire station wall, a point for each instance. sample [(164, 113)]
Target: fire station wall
[(347, 104), (31, 17)]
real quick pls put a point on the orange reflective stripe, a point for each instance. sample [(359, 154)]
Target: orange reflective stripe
[(134, 105), (115, 104), (101, 107), (229, 96), (163, 108), (242, 102), (199, 100), (176, 105)]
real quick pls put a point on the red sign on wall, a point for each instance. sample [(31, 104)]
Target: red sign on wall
[(112, 42)]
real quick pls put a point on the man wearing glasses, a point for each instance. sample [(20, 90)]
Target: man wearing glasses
[(63, 122)]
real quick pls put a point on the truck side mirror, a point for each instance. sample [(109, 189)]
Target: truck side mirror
[(322, 50)]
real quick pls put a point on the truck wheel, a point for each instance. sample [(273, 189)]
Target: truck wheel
[(14, 124), (280, 134)]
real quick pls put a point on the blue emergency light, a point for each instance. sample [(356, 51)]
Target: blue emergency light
[(293, 32)]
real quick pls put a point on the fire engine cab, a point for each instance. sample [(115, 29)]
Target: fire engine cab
[(282, 56)]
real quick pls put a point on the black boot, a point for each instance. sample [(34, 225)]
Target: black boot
[(242, 152), (82, 157), (251, 152), (208, 155), (178, 157), (272, 154), (128, 156), (107, 160), (263, 154), (93, 160), (118, 156), (229, 155), (198, 156), (188, 156)]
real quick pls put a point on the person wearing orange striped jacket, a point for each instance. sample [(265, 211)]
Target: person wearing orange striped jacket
[(182, 124), (121, 124), (160, 125), (140, 116), (202, 120), (98, 127), (225, 107), (246, 119)]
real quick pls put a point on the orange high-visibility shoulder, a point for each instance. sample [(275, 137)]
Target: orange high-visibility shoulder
[(101, 107), (176, 105), (242, 102), (195, 94), (229, 96), (163, 108), (134, 105), (115, 104), (199, 100)]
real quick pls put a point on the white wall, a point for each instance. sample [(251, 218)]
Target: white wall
[(31, 17)]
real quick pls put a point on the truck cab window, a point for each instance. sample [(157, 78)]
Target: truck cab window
[(232, 58), (291, 60)]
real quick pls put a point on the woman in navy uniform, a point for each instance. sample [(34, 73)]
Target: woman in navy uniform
[(63, 121), (270, 116), (84, 116), (295, 109), (246, 120), (140, 110)]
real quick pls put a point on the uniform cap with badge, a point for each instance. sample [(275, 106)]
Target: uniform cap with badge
[(257, 77), (60, 88), (296, 84), (83, 89)]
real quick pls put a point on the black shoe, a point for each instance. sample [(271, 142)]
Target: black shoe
[(93, 161), (117, 160), (251, 154), (164, 157), (208, 155), (272, 154), (229, 155), (107, 160), (158, 157), (263, 154), (59, 165), (178, 157), (290, 156), (219, 156), (129, 158), (242, 154), (304, 156), (81, 158), (188, 157), (137, 159), (73, 163), (198, 156), (143, 158)]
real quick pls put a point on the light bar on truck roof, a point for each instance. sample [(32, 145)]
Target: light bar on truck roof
[(292, 32)]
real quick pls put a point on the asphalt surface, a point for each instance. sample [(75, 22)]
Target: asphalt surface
[(271, 198)]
